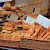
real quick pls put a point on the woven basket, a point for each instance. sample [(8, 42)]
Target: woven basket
[(35, 44), (12, 44)]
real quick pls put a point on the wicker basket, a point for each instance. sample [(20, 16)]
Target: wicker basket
[(12, 44), (35, 44)]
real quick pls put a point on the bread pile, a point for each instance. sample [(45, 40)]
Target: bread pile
[(38, 32), (14, 36), (11, 26), (10, 31), (9, 9)]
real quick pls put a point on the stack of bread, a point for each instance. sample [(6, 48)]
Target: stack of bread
[(9, 9), (38, 32)]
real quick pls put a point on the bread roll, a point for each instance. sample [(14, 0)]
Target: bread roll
[(7, 6)]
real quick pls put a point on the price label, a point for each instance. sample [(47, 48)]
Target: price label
[(12, 17), (29, 20), (43, 21)]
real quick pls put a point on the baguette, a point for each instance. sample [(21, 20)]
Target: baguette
[(42, 32), (39, 35), (36, 33), (46, 35), (48, 38)]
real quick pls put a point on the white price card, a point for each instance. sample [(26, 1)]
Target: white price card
[(29, 20), (45, 22)]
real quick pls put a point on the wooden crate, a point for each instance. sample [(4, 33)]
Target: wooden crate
[(35, 44)]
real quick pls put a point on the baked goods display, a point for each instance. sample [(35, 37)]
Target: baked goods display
[(19, 30), (15, 31)]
